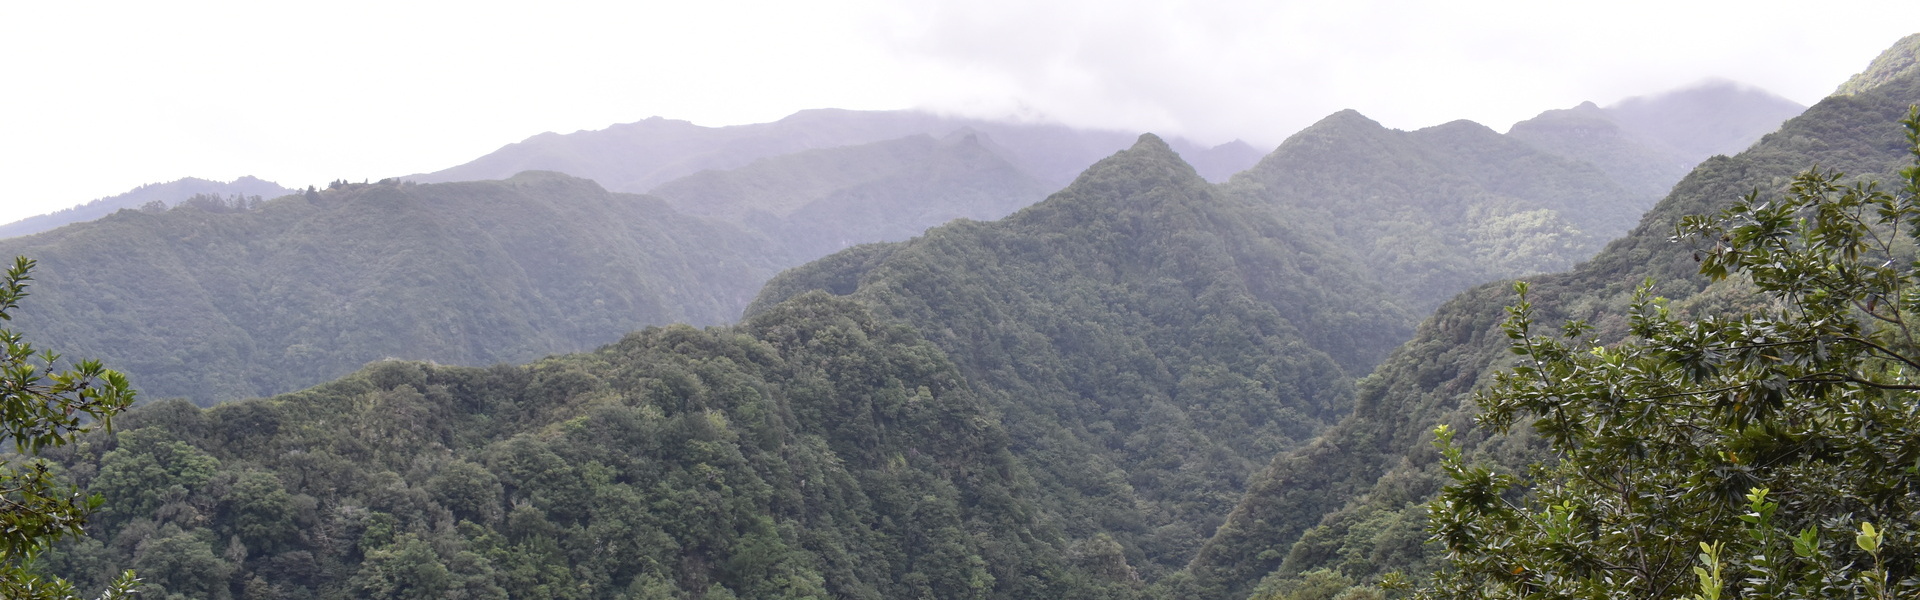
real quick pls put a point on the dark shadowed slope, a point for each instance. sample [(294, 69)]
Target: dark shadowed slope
[(217, 302), (1146, 338), (169, 194), (816, 202), (1348, 501)]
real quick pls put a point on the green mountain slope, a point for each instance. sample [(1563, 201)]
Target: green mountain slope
[(1348, 501), (810, 452), (214, 302), (816, 202), (1147, 340), (1432, 211), (169, 194)]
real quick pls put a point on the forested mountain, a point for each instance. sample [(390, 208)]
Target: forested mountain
[(1147, 339), (1143, 339), (816, 202), (215, 300), (809, 452), (637, 157), (1125, 354), (167, 194), (1433, 211), (1346, 507), (1074, 401)]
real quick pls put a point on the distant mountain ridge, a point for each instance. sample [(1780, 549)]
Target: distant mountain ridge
[(168, 193), (1648, 143), (636, 157), (816, 202), (1433, 211)]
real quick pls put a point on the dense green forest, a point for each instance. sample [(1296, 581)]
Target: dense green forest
[(810, 452), (1125, 354), (1350, 506), (1145, 386), (1148, 339), (215, 300)]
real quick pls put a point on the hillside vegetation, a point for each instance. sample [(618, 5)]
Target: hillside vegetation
[(1348, 506), (215, 300), (1142, 386), (1647, 143), (810, 452), (1147, 339)]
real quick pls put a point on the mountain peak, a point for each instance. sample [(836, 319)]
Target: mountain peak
[(1348, 116), (1901, 59), (1150, 143), (1149, 149)]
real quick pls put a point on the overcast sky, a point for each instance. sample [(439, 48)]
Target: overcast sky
[(100, 97)]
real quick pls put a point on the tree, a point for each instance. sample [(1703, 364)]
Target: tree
[(41, 407), (1773, 452)]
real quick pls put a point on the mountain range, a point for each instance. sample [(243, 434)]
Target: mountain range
[(1419, 215), (1151, 383), (639, 156)]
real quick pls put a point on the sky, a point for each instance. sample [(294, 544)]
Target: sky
[(99, 97)]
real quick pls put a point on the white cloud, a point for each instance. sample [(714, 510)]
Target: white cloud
[(102, 97), (1262, 69)]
